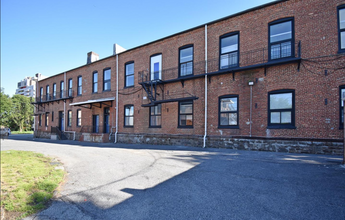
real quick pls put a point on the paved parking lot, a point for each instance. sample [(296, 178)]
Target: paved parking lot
[(108, 181)]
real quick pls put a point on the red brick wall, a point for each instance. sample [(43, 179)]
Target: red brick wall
[(315, 26)]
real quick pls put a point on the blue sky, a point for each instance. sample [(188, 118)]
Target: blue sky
[(51, 37)]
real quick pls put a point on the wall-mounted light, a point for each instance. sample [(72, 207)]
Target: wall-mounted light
[(250, 83)]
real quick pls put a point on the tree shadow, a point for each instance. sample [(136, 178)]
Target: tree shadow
[(220, 184)]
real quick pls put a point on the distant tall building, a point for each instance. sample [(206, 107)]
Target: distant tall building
[(27, 87)]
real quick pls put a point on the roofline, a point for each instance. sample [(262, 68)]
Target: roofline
[(181, 32), (209, 23)]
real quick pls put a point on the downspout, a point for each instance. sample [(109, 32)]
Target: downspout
[(250, 117), (205, 87), (117, 98), (64, 103)]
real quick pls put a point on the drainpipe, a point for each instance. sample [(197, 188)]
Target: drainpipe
[(205, 87), (64, 103), (117, 98), (250, 108)]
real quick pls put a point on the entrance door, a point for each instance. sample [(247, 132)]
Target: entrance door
[(106, 120), (95, 123), (61, 121)]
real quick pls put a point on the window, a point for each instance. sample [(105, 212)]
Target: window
[(228, 111), (40, 120), (70, 83), (54, 91), (69, 119), (185, 116), (129, 68), (129, 115), (156, 116), (95, 82), (281, 113), (62, 85), (47, 92), (229, 51), (281, 41), (41, 94), (186, 60), (341, 27), (47, 119), (95, 123), (79, 117), (52, 116), (80, 84), (106, 79), (156, 67), (341, 96)]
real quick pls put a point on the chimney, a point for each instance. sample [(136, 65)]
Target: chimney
[(118, 49), (92, 57)]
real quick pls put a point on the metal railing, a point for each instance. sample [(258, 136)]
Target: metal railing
[(230, 61), (55, 96), (58, 132)]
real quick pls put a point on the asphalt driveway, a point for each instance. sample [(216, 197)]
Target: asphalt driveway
[(121, 181)]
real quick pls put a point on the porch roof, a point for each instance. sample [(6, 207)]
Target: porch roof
[(93, 101)]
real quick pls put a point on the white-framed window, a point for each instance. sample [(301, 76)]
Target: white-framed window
[(156, 67)]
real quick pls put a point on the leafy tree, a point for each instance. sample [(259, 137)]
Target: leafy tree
[(5, 109), (22, 111)]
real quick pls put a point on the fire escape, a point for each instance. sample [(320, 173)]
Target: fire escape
[(236, 62)]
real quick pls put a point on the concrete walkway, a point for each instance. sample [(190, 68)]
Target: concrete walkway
[(108, 181)]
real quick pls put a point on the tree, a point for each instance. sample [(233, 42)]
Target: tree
[(22, 111), (5, 109)]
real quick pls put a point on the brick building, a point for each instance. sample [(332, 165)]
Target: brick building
[(268, 78)]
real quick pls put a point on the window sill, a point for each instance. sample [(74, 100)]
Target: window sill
[(229, 68), (185, 76), (341, 51), (127, 87), (127, 126), (94, 92), (106, 90), (229, 127), (155, 126), (281, 58), (281, 127), (188, 127)]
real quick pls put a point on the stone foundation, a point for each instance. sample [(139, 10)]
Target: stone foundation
[(93, 137), (42, 134), (311, 146)]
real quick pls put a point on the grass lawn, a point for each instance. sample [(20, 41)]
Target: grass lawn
[(28, 181), (23, 132)]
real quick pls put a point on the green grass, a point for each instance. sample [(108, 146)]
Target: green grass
[(28, 181), (23, 132)]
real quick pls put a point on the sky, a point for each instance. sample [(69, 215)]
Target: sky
[(50, 37)]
